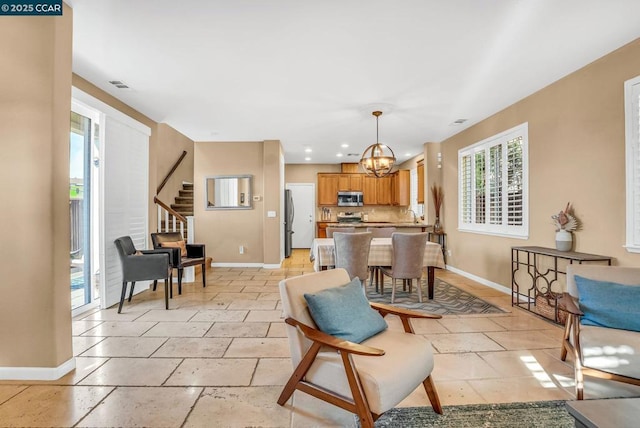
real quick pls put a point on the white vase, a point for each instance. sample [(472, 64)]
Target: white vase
[(564, 240)]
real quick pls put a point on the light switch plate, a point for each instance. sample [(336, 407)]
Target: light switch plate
[(271, 213)]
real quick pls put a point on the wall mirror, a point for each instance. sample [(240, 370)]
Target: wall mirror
[(228, 192)]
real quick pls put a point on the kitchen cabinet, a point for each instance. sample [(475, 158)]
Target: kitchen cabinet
[(383, 190), (321, 231), (344, 182), (328, 185), (356, 182), (369, 190), (421, 181), (401, 182)]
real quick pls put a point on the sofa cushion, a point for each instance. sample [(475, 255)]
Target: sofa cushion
[(345, 312), (608, 304), (176, 244)]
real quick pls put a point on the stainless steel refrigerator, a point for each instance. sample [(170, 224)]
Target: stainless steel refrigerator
[(288, 222)]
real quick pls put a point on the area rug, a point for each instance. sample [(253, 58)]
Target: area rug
[(447, 300), (539, 414)]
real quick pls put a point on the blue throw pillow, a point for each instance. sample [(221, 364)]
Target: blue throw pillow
[(608, 304), (345, 312)]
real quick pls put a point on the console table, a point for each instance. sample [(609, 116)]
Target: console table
[(540, 280)]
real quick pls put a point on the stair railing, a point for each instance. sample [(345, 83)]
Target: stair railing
[(173, 169), (173, 220)]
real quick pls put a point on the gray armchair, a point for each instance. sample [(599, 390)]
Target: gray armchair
[(142, 266), (195, 254)]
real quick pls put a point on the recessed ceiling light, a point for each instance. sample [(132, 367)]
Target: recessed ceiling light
[(345, 145), (339, 155), (308, 150), (307, 158), (407, 154)]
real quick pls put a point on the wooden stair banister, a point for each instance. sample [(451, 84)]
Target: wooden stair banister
[(173, 169), (170, 210)]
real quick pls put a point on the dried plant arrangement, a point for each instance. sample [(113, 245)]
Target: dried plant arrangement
[(565, 220), (438, 196)]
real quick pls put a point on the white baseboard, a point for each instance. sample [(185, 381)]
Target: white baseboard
[(482, 281), (37, 373), (238, 265)]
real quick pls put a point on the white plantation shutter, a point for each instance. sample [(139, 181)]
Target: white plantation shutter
[(632, 120), (465, 189), (493, 185), (126, 202)]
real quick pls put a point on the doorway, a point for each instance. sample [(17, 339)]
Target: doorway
[(84, 145), (304, 225)]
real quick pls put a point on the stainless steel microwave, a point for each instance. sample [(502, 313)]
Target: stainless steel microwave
[(350, 199)]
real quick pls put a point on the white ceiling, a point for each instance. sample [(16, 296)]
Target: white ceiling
[(310, 72)]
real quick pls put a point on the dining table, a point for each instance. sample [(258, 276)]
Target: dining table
[(322, 254)]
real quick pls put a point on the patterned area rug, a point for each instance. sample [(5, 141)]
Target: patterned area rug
[(447, 300), (522, 415)]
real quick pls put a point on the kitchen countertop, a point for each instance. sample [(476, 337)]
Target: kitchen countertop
[(374, 224)]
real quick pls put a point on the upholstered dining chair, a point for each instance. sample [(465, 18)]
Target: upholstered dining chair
[(366, 378), (346, 229), (352, 253), (378, 232), (183, 255), (602, 331), (143, 265), (406, 261)]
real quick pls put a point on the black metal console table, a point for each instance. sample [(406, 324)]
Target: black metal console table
[(542, 280)]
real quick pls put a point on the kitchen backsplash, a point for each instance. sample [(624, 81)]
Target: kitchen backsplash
[(374, 214)]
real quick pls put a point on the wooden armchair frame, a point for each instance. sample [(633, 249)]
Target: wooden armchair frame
[(571, 343), (359, 405)]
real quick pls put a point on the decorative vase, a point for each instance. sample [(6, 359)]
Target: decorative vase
[(437, 227), (564, 240)]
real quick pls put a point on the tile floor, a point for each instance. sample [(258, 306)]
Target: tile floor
[(220, 356)]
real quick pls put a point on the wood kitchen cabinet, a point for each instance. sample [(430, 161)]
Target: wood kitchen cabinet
[(401, 182), (356, 182), (321, 231), (383, 190), (421, 181), (369, 190), (328, 185)]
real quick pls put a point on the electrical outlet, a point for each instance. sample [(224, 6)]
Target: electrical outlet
[(449, 253), (241, 249)]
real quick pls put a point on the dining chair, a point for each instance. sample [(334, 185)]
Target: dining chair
[(142, 266), (184, 255), (374, 271), (352, 253), (332, 230), (407, 257)]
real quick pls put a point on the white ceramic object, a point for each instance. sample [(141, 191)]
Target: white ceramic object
[(564, 240)]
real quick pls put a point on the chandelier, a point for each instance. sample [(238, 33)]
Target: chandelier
[(378, 159)]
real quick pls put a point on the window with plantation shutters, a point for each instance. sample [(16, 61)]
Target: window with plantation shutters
[(632, 131), (493, 183)]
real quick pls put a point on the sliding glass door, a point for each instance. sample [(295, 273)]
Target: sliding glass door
[(83, 207)]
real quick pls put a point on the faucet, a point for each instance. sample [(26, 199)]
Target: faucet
[(415, 218)]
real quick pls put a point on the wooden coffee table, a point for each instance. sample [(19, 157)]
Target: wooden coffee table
[(613, 412)]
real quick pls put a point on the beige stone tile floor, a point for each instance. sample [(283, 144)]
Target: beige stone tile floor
[(219, 357)]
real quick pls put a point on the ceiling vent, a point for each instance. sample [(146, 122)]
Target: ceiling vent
[(119, 84), (353, 154), (458, 122)]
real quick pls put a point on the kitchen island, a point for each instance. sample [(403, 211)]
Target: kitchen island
[(407, 227)]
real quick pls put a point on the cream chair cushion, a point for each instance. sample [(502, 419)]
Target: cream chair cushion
[(611, 350)]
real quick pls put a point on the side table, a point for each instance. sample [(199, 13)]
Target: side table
[(611, 412)]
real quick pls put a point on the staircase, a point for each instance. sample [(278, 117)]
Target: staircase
[(184, 202)]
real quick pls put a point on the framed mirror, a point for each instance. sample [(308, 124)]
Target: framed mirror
[(228, 192)]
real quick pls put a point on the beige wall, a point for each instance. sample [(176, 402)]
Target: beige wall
[(576, 154), (35, 309), (223, 231), (172, 143)]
